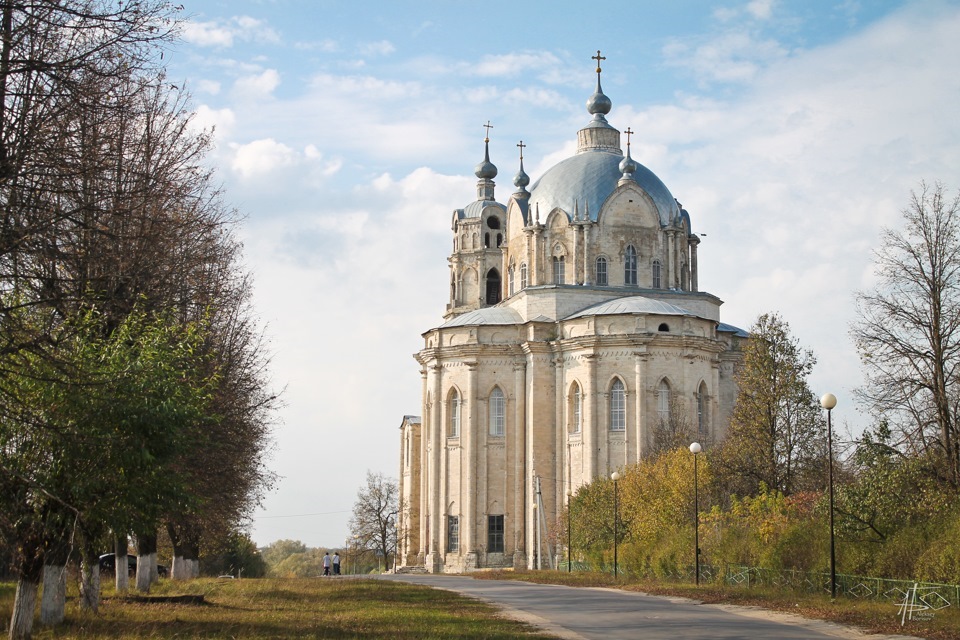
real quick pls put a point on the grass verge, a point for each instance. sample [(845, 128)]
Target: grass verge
[(287, 608), (869, 615)]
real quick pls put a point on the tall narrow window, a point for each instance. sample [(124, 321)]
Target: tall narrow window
[(523, 275), (493, 286), (453, 533), (618, 407), (630, 267), (498, 412), (510, 280), (702, 409), (454, 413), (656, 274), (558, 269), (576, 400), (663, 401), (495, 534), (602, 271)]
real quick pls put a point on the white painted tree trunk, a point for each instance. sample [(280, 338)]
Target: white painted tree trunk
[(121, 575), (90, 585), (25, 601), (180, 569), (53, 601), (146, 571), (194, 568)]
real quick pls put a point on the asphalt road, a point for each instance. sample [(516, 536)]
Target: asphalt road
[(577, 613)]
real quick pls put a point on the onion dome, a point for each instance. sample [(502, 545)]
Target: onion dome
[(486, 170), (521, 180), (627, 166)]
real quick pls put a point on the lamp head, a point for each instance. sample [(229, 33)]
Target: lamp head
[(828, 401), (695, 448), (615, 476)]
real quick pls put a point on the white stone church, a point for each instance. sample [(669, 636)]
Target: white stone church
[(574, 328)]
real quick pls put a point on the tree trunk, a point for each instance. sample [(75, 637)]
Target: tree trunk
[(21, 624), (121, 573), (29, 566), (90, 582), (54, 598), (186, 551), (146, 562)]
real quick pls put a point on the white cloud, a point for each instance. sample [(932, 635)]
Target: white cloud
[(380, 48), (257, 85), (260, 158), (513, 64), (220, 120), (224, 33), (211, 87)]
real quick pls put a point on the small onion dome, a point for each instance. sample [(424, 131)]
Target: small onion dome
[(599, 103), (521, 180), (627, 165), (486, 170)]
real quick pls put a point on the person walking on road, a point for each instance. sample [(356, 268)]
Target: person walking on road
[(336, 563), (326, 563)]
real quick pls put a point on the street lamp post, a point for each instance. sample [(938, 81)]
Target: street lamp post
[(616, 517), (828, 401), (695, 448), (569, 538)]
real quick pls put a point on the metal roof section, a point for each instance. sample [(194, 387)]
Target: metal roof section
[(729, 328), (485, 316), (475, 208), (631, 305), (590, 178)]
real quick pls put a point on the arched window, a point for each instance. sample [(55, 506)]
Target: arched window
[(486, 240), (510, 280), (493, 222), (602, 271), (498, 412), (656, 274), (630, 267), (523, 275), (663, 401), (576, 408), (618, 407), (702, 426), (453, 411), (664, 327), (558, 269), (493, 286), (499, 239)]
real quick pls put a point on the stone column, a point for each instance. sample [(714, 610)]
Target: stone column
[(436, 506), (694, 280), (640, 380), (671, 265), (590, 428), (468, 470), (518, 456)]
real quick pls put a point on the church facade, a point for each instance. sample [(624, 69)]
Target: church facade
[(574, 336)]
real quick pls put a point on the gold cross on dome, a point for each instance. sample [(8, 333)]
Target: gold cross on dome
[(522, 146), (629, 133), (598, 58), (487, 126)]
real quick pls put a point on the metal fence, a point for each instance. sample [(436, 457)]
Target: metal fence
[(931, 595)]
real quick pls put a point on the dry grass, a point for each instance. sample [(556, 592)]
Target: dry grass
[(287, 608), (873, 616)]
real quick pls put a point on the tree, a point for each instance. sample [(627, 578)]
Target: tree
[(908, 330), (374, 519), (777, 435)]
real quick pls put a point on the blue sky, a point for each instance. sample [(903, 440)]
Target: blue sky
[(346, 133)]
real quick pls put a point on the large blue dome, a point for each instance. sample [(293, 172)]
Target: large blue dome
[(588, 179)]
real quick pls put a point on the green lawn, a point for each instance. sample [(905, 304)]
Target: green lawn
[(287, 608)]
